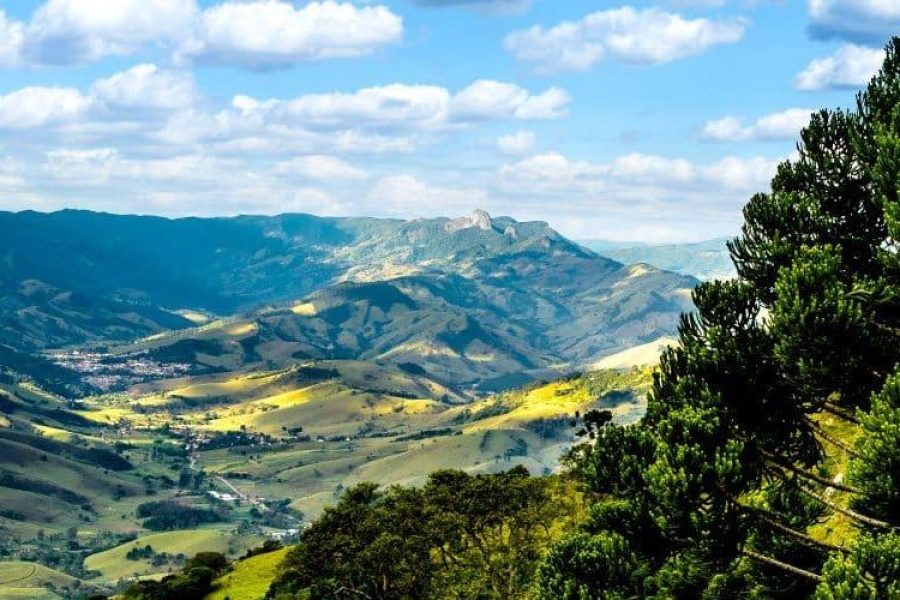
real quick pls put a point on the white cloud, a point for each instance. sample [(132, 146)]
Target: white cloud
[(776, 126), (742, 174), (12, 36), (521, 142), (408, 196), (184, 184), (551, 171), (554, 172), (376, 107), (256, 34), (147, 87), (91, 167), (849, 66), (320, 168), (635, 196), (486, 99), (126, 103), (650, 168), (33, 107), (398, 107), (273, 33), (627, 34), (871, 21), (75, 31)]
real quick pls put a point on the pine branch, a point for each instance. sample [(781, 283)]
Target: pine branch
[(852, 514), (772, 562), (806, 474), (832, 440), (775, 524), (772, 519), (835, 410)]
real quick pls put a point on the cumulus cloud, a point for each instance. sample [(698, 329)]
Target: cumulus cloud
[(867, 21), (274, 33), (635, 196), (320, 168), (486, 99), (401, 107), (634, 36), (258, 34), (161, 109), (776, 126), (409, 196), (147, 87), (34, 107), (520, 142), (12, 37), (850, 66), (126, 102), (442, 3), (554, 172), (73, 31), (183, 184)]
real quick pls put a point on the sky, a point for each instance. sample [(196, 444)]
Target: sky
[(640, 121)]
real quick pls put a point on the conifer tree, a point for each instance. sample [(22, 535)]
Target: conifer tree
[(718, 489)]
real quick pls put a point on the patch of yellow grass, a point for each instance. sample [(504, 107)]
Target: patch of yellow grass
[(837, 529), (16, 575), (60, 435), (307, 309), (637, 356), (241, 330), (250, 579), (238, 385), (553, 400), (113, 565), (197, 318), (637, 271)]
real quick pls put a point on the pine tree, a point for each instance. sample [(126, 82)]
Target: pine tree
[(718, 489)]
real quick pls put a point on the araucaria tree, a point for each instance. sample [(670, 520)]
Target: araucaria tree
[(768, 464)]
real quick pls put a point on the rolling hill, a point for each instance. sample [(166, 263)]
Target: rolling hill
[(705, 260), (236, 375), (477, 302)]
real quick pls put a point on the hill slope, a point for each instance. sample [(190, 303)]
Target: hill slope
[(480, 302)]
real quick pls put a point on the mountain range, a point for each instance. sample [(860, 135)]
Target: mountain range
[(477, 302), (706, 260)]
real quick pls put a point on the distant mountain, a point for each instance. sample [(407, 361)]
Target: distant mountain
[(477, 300), (704, 260)]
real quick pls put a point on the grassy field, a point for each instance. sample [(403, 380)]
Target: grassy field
[(390, 440), (250, 578), (27, 594), (330, 425), (114, 565), (31, 580)]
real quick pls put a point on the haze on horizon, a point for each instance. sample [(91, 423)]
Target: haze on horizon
[(646, 121)]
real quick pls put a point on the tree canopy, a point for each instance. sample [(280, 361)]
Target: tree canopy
[(768, 464)]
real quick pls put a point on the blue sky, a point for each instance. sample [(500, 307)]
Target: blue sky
[(651, 121)]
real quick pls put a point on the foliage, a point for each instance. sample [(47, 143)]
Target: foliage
[(459, 536), (168, 515), (877, 470), (192, 582), (716, 493)]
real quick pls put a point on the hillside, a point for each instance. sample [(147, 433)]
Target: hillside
[(480, 303), (174, 386), (312, 430), (255, 453), (705, 260), (72, 276)]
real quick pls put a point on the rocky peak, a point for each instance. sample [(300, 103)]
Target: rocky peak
[(482, 220)]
